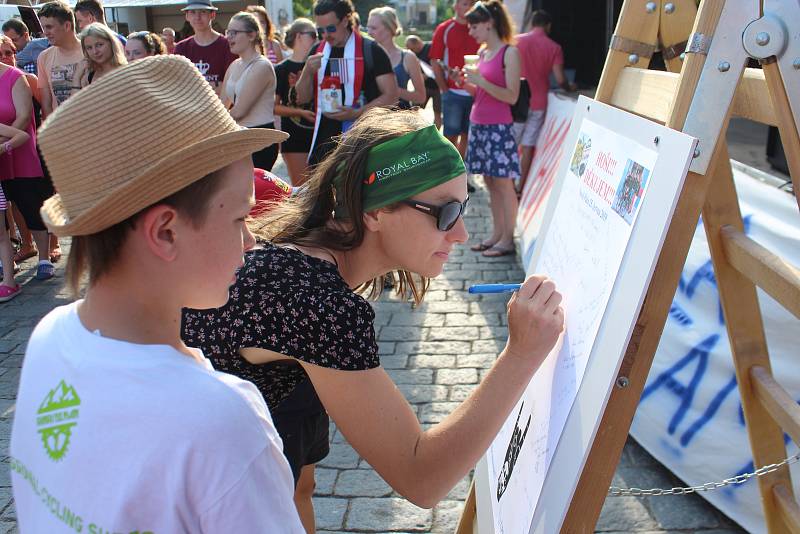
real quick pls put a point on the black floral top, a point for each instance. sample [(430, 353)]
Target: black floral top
[(290, 303)]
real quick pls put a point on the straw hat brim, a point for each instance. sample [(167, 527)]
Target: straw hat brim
[(159, 181)]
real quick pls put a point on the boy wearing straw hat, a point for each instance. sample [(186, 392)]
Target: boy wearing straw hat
[(119, 426)]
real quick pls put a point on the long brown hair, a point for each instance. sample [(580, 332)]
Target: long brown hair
[(254, 26), (307, 219), (495, 11), (269, 29)]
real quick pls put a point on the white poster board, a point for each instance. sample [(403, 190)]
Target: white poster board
[(544, 169), (619, 180)]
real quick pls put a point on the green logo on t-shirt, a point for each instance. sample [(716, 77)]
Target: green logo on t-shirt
[(57, 414)]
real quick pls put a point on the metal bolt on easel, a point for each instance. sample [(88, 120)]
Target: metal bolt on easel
[(650, 7), (762, 38), (796, 63), (633, 59), (669, 8), (723, 66)]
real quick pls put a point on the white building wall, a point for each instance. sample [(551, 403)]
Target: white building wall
[(135, 17)]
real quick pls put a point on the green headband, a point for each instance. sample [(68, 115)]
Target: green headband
[(403, 167)]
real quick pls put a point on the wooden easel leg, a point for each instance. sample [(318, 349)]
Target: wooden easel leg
[(746, 335), (786, 124), (466, 524)]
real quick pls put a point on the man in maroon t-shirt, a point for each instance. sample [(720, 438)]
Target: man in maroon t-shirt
[(451, 42), (540, 56), (207, 49)]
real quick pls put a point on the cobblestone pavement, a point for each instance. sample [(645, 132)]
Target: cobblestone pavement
[(436, 354)]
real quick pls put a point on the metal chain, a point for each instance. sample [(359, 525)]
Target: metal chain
[(615, 491)]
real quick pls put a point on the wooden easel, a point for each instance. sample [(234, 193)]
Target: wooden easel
[(713, 85)]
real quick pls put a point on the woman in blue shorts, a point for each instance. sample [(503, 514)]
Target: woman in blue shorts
[(491, 149)]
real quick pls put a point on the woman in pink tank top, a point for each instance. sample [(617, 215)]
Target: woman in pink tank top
[(491, 149), (21, 174)]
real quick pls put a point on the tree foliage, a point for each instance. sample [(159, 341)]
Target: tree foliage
[(302, 8)]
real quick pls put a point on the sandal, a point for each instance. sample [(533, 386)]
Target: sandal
[(7, 292), (497, 252), (25, 253), (55, 255), (480, 247), (45, 271)]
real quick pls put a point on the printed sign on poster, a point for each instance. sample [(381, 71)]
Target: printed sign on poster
[(602, 191)]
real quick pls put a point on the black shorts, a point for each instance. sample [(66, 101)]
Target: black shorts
[(302, 423), (266, 157), (28, 195), (299, 138)]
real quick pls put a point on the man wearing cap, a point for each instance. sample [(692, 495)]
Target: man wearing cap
[(207, 49), (119, 426)]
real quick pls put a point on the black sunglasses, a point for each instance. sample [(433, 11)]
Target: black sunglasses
[(330, 28), (446, 215)]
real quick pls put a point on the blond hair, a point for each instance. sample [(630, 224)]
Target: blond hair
[(388, 17), (101, 31)]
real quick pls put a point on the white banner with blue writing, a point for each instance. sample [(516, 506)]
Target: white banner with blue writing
[(690, 417)]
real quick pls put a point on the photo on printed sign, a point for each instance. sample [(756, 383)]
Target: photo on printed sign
[(630, 190), (583, 149)]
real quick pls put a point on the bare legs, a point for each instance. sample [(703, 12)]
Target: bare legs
[(525, 165), (297, 165), (460, 142), (26, 248), (6, 253), (504, 205), (302, 498)]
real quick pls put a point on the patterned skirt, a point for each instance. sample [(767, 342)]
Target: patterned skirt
[(492, 151)]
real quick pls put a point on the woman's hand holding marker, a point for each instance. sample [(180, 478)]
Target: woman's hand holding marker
[(535, 319)]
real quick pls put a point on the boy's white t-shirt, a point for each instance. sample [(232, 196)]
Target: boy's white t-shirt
[(111, 436)]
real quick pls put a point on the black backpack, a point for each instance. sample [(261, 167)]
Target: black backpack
[(519, 109)]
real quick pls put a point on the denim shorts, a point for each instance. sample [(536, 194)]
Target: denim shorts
[(455, 113)]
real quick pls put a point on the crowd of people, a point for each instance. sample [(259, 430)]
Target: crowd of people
[(311, 80), (231, 433)]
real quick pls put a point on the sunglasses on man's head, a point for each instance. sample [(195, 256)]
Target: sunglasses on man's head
[(446, 215), (330, 28)]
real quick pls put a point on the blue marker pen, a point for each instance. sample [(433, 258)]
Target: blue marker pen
[(494, 288)]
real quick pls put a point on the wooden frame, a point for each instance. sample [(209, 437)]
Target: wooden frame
[(739, 263)]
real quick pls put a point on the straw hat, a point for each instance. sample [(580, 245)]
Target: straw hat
[(134, 137)]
